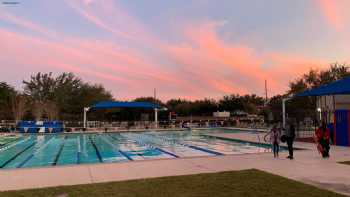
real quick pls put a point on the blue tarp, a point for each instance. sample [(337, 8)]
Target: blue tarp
[(110, 104), (33, 126), (341, 86), (342, 127)]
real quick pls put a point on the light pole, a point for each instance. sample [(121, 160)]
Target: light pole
[(319, 110), (284, 109), (86, 109)]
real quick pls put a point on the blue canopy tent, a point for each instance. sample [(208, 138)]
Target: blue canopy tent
[(338, 87), (114, 104), (341, 123)]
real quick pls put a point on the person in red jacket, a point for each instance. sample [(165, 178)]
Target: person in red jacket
[(322, 138)]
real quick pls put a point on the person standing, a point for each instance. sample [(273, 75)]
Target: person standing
[(290, 140), (322, 139), (274, 140)]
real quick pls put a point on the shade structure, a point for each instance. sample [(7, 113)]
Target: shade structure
[(338, 87), (112, 104)]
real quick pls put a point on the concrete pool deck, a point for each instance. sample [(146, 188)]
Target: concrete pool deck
[(307, 167)]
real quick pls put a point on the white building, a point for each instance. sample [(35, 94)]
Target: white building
[(223, 114), (326, 105)]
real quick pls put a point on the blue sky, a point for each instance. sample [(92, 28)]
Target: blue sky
[(189, 49)]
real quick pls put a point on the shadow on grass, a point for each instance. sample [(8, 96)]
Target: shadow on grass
[(233, 183)]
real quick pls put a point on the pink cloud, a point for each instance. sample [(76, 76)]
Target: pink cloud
[(97, 21), (285, 68), (212, 50), (52, 55), (203, 64), (238, 57), (111, 17), (26, 24), (231, 68), (331, 11), (89, 57)]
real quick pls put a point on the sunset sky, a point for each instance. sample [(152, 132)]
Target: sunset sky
[(185, 48)]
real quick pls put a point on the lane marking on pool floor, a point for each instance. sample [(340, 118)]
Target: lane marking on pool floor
[(14, 144), (186, 145), (120, 151), (139, 141), (96, 150), (79, 150), (204, 150), (59, 151), (166, 152), (9, 142), (33, 154), (136, 138), (16, 155)]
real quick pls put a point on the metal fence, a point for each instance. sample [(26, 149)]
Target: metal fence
[(303, 131)]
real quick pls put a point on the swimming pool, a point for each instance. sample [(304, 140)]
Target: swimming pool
[(69, 149)]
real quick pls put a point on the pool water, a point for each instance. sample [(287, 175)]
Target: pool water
[(70, 149)]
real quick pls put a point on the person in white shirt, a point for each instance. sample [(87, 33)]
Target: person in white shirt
[(274, 140)]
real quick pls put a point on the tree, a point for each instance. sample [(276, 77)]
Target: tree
[(51, 110), (87, 95), (252, 103), (38, 109), (274, 106), (315, 78), (150, 100), (248, 103), (41, 87), (204, 107), (19, 104), (6, 91), (337, 71), (230, 103), (184, 109), (67, 92), (180, 106), (65, 95)]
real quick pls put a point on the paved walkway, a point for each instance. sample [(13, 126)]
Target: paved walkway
[(307, 167)]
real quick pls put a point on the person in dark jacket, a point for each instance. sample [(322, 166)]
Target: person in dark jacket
[(290, 134)]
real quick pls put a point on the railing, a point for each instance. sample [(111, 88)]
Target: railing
[(125, 125), (305, 132)]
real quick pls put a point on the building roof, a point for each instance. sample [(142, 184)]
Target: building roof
[(338, 87), (113, 104)]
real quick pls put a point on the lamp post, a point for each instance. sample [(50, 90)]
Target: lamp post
[(284, 109), (319, 110), (86, 109)]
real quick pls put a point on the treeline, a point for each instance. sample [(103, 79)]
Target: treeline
[(45, 97), (248, 103), (50, 98)]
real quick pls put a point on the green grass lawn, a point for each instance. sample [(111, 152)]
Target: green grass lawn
[(236, 183), (345, 162)]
